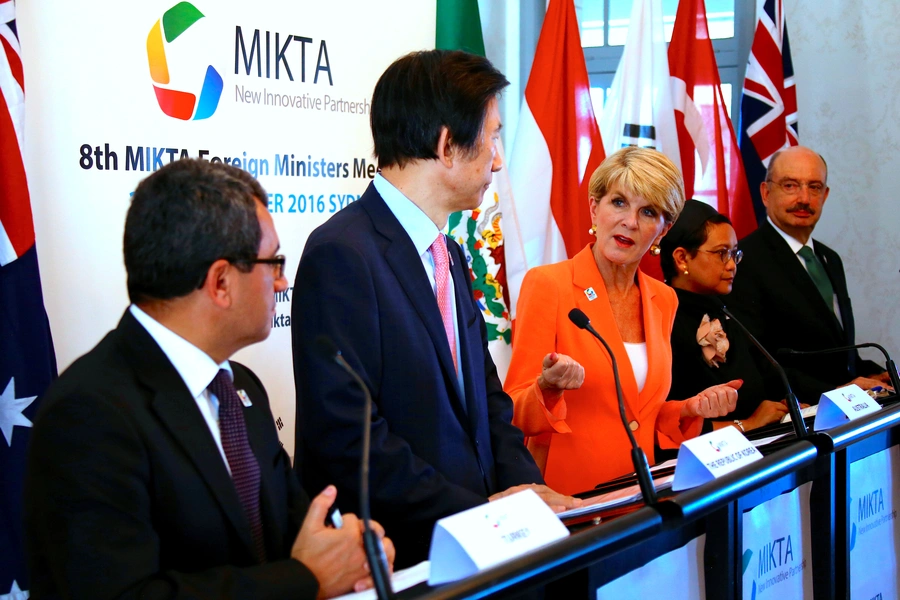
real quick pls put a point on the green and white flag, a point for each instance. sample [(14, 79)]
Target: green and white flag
[(479, 231)]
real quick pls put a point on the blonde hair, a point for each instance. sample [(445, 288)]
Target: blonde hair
[(645, 172)]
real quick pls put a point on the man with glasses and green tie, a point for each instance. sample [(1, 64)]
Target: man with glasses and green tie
[(155, 470), (791, 291)]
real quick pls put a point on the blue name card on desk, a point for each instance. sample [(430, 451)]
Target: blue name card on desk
[(489, 534), (842, 405), (712, 455)]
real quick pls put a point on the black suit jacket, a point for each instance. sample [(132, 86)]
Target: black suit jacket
[(127, 495), (776, 299), (435, 450)]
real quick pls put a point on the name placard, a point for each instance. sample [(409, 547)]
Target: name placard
[(712, 455), (842, 405), (489, 534)]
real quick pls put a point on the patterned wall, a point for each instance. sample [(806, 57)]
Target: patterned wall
[(847, 60)]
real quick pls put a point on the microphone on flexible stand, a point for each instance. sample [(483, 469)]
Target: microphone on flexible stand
[(372, 544), (792, 403), (638, 458), (889, 363)]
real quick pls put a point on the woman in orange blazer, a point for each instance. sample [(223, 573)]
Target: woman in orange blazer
[(565, 400)]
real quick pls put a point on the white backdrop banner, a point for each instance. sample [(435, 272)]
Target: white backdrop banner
[(777, 562), (679, 573), (874, 530), (117, 89)]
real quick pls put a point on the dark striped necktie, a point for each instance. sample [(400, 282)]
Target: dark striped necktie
[(244, 468)]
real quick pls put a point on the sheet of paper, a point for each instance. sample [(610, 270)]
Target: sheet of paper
[(809, 411), (666, 465), (612, 499), (400, 581), (768, 440)]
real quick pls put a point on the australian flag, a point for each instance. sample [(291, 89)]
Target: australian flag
[(27, 361), (769, 100)]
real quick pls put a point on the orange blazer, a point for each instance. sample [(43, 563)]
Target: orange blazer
[(580, 441)]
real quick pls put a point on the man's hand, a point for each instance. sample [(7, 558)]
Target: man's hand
[(560, 372), (336, 556), (556, 501), (867, 383), (715, 401)]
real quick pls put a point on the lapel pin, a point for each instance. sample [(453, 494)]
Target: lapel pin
[(591, 294), (245, 399)]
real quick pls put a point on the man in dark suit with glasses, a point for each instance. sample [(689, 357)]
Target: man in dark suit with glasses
[(155, 470), (791, 291)]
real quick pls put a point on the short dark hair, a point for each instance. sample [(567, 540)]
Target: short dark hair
[(424, 91), (690, 241), (182, 219)]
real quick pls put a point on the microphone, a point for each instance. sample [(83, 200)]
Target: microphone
[(638, 458), (888, 362), (792, 403), (373, 547)]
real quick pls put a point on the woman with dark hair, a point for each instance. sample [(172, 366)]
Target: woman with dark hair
[(699, 260)]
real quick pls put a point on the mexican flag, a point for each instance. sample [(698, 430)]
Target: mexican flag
[(479, 231)]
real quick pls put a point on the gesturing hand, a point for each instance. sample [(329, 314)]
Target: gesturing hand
[(560, 372), (335, 556), (715, 401)]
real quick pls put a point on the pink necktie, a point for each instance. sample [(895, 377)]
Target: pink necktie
[(442, 279)]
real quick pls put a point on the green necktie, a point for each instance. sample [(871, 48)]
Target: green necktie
[(818, 275)]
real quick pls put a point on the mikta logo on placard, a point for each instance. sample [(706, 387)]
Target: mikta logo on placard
[(178, 21)]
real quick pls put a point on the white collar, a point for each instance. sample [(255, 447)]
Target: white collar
[(194, 365), (793, 242), (420, 229)]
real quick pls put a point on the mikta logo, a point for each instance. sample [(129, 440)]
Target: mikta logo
[(175, 103)]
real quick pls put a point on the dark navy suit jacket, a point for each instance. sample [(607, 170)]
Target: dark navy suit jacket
[(435, 451)]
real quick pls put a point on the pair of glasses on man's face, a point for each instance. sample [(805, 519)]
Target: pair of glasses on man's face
[(792, 187), (727, 254), (278, 261)]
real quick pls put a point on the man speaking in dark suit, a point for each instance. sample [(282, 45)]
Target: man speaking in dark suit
[(155, 470), (790, 290), (394, 294)]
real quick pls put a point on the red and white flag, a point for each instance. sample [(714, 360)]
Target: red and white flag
[(557, 148), (704, 129)]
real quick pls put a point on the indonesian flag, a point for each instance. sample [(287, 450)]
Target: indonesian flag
[(557, 148), (639, 110), (704, 129)]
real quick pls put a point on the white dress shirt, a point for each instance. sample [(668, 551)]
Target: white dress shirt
[(196, 368)]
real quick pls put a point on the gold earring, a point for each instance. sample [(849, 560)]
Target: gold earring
[(686, 272), (592, 230), (655, 250)]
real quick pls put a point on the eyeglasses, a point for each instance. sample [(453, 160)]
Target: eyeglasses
[(727, 254), (277, 263), (792, 187)]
